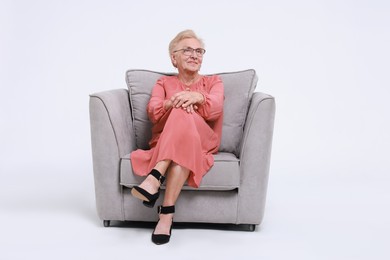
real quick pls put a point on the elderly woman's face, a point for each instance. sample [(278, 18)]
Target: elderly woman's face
[(187, 63)]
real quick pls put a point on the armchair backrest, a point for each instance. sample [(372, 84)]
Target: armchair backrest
[(238, 86)]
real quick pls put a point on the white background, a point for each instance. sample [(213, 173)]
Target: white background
[(327, 63)]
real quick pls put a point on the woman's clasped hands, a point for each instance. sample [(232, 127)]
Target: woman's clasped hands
[(186, 100)]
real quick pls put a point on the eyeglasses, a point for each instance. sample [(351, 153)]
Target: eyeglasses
[(188, 51)]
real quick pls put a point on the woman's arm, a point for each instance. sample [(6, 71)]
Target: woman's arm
[(212, 106), (157, 104)]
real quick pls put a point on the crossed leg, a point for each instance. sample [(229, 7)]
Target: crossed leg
[(176, 177)]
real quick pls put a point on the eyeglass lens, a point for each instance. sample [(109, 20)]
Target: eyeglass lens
[(189, 51)]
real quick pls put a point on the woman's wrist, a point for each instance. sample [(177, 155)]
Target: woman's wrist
[(167, 104), (201, 98)]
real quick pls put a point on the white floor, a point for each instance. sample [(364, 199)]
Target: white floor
[(51, 215)]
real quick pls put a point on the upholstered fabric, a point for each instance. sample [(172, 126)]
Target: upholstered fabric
[(140, 84), (239, 87)]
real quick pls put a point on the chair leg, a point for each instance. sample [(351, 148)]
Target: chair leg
[(106, 223), (251, 228)]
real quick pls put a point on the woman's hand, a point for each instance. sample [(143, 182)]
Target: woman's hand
[(169, 104), (186, 100)]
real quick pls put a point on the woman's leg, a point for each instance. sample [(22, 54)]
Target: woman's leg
[(176, 177), (151, 184)]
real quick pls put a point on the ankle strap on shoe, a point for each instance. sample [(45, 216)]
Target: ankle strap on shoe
[(166, 210), (156, 174)]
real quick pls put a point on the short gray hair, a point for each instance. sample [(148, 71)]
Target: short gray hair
[(186, 34)]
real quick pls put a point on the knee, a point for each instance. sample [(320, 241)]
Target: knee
[(180, 115), (177, 167)]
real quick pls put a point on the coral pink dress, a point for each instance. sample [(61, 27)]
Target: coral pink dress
[(189, 139)]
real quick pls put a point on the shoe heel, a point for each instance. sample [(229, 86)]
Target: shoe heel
[(149, 204), (148, 199)]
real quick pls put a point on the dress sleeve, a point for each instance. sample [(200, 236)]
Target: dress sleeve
[(212, 107), (155, 108)]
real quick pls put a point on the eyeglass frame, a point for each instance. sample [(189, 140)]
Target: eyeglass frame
[(192, 51)]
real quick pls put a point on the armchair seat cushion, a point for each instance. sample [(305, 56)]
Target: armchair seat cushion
[(224, 175)]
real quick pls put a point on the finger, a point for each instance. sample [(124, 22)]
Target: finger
[(186, 109), (187, 103), (180, 103), (176, 101), (176, 96)]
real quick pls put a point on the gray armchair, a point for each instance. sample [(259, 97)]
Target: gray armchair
[(232, 192)]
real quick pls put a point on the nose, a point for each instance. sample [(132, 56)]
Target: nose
[(193, 54)]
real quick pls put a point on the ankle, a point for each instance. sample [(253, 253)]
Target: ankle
[(166, 218), (153, 181), (157, 175), (166, 209), (150, 184)]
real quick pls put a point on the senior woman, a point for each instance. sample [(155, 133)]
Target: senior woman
[(186, 111)]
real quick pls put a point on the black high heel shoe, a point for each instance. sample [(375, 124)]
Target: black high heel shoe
[(160, 239), (148, 199)]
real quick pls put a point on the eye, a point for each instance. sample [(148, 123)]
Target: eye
[(188, 50)]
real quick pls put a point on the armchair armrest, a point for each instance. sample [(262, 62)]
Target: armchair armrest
[(111, 137), (115, 105), (255, 157)]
